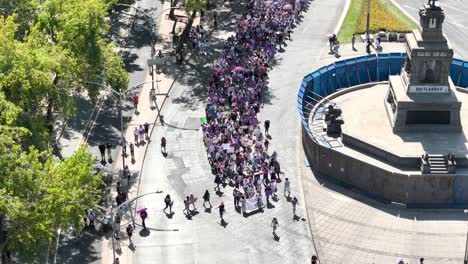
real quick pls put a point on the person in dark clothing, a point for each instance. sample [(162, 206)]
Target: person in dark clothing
[(130, 233), (206, 198), (222, 210), (102, 150), (168, 203), (143, 215), (109, 149), (267, 127)]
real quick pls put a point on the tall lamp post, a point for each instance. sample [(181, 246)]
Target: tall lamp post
[(368, 21)]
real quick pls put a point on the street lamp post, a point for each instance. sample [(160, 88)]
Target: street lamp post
[(368, 21)]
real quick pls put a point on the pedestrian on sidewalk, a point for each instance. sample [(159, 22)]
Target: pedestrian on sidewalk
[(132, 150), (267, 127), (143, 215), (91, 217), (135, 102), (421, 261), (146, 126), (353, 42), (136, 133), (294, 205), (168, 203), (116, 261), (152, 98), (217, 181), (141, 131), (193, 199), (274, 225), (109, 151), (130, 233), (117, 239), (287, 187), (124, 147), (102, 150), (163, 145), (236, 195), (277, 170), (206, 199), (186, 210), (215, 20), (222, 210), (313, 259)]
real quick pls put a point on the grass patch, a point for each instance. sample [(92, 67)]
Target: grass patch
[(384, 16)]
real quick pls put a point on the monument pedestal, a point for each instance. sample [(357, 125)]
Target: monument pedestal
[(419, 112), (423, 98)]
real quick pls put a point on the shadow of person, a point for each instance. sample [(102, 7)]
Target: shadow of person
[(296, 218), (194, 212), (132, 247), (188, 216), (276, 237), (103, 162), (133, 160), (110, 160), (144, 232), (219, 193), (208, 210), (270, 205), (164, 153), (223, 223), (170, 215), (269, 136)]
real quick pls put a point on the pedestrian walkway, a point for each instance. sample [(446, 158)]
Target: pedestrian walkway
[(147, 113)]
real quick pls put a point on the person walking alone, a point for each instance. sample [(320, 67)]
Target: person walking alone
[(109, 151), (267, 127), (143, 215), (117, 239), (206, 199), (193, 199), (136, 133), (294, 205), (132, 150), (186, 206), (102, 150), (222, 210), (168, 203), (135, 102), (146, 126), (130, 233), (236, 195), (163, 145), (353, 42), (274, 225), (141, 132), (287, 187)]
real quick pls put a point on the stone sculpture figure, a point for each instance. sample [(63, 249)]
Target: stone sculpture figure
[(431, 3)]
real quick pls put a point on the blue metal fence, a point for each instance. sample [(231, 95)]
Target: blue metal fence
[(360, 70)]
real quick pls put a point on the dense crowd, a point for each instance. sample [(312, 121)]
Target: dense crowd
[(237, 146)]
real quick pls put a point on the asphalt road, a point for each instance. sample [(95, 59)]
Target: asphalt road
[(455, 24), (201, 238)]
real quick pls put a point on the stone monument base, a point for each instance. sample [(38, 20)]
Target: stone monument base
[(413, 112)]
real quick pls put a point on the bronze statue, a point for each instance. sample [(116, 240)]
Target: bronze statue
[(431, 3)]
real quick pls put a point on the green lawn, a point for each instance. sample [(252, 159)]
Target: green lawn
[(384, 16)]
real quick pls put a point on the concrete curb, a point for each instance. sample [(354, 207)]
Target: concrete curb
[(343, 16)]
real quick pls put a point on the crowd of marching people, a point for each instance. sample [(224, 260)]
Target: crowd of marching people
[(237, 146)]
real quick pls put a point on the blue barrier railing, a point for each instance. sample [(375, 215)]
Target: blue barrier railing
[(359, 70)]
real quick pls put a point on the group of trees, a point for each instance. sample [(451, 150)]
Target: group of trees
[(48, 50)]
